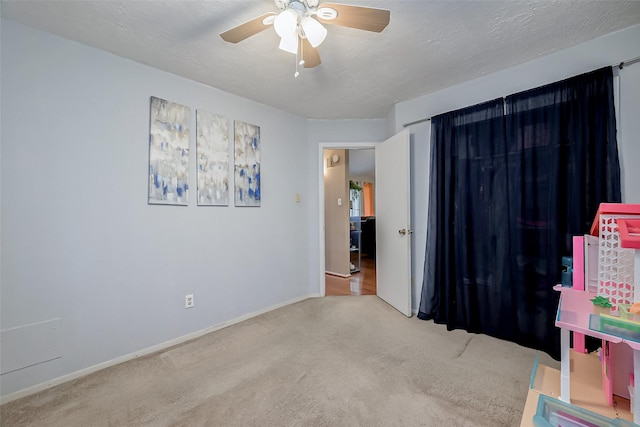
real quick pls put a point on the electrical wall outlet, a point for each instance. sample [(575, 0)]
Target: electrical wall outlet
[(188, 301)]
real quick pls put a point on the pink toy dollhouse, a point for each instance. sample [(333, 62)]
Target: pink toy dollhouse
[(612, 252)]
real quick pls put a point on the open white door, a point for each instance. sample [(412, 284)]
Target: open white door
[(393, 222)]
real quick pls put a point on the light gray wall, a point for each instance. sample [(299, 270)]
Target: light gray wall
[(629, 130), (79, 241), (607, 50), (1, 27)]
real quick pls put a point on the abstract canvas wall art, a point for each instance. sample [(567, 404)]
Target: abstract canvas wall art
[(212, 153), (247, 164), (168, 153)]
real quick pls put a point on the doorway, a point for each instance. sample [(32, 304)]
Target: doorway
[(348, 226), (393, 217)]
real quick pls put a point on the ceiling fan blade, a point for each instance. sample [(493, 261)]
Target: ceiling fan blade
[(246, 30), (310, 55), (362, 18)]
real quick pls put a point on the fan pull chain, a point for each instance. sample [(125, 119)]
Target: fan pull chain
[(297, 73), (299, 58)]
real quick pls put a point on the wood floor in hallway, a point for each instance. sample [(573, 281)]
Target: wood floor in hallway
[(361, 283)]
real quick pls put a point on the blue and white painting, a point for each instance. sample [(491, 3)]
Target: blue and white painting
[(247, 164), (168, 153), (212, 152)]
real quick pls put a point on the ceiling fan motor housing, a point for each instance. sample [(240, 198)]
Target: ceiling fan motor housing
[(305, 4)]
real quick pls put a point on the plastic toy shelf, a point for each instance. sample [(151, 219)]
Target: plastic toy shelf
[(615, 209), (556, 413), (629, 230), (574, 312), (586, 383)]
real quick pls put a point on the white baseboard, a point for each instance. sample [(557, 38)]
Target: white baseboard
[(337, 274), (127, 357)]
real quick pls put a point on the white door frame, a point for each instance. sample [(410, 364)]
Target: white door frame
[(321, 147)]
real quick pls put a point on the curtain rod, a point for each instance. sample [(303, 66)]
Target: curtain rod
[(619, 66), (627, 62), (404, 125)]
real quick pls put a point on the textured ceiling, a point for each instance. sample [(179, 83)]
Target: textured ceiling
[(428, 45)]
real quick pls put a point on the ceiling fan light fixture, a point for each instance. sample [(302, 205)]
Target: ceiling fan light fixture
[(289, 43), (313, 31), (327, 13), (269, 20), (286, 23)]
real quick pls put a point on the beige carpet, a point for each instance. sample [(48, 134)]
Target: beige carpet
[(334, 361)]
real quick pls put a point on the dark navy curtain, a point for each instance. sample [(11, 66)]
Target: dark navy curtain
[(511, 182)]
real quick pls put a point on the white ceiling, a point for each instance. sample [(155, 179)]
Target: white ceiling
[(428, 45)]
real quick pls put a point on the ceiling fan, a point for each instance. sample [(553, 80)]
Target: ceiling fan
[(299, 25)]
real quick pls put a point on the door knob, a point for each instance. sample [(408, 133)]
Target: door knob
[(402, 231)]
